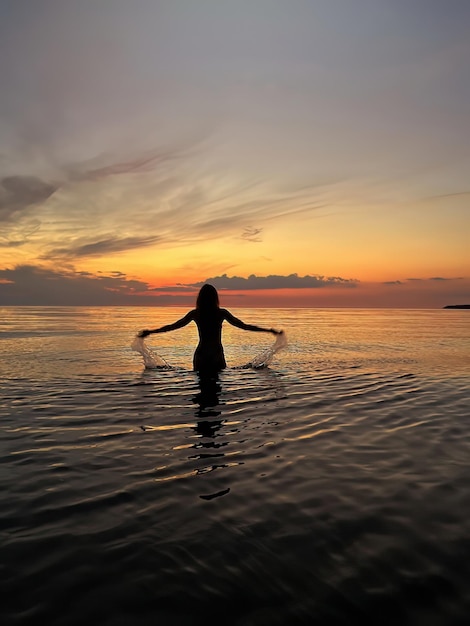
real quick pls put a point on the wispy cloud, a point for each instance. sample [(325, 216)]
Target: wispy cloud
[(19, 234), (252, 234), (179, 210), (98, 248), (100, 168), (456, 194), (422, 280), (168, 195), (82, 197), (139, 165), (19, 193)]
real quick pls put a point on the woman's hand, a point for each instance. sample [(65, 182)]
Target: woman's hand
[(144, 333), (276, 332)]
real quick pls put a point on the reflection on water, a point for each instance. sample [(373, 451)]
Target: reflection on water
[(208, 396), (208, 424)]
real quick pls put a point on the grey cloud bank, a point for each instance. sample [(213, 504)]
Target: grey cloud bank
[(35, 285), (293, 281), (29, 285)]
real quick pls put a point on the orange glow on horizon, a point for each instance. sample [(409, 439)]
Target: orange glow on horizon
[(363, 296)]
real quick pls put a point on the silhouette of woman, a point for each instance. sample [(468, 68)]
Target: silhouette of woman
[(209, 317)]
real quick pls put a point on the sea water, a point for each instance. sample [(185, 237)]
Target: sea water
[(331, 487)]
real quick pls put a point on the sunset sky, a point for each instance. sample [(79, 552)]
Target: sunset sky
[(293, 153)]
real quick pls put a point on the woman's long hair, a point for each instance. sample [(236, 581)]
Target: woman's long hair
[(208, 298)]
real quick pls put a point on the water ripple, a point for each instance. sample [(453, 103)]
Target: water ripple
[(283, 494)]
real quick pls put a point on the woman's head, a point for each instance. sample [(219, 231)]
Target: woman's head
[(208, 298)]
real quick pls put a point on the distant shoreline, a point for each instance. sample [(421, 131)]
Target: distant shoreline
[(457, 306)]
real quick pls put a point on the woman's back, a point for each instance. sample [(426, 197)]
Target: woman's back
[(209, 325), (209, 354)]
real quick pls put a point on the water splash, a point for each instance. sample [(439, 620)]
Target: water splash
[(154, 361), (264, 358), (151, 360)]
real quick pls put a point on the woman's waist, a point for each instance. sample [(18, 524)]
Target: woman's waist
[(209, 344)]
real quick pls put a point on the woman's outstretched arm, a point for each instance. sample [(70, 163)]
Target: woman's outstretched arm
[(184, 321), (231, 319)]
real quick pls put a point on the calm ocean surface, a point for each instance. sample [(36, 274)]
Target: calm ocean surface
[(331, 488)]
